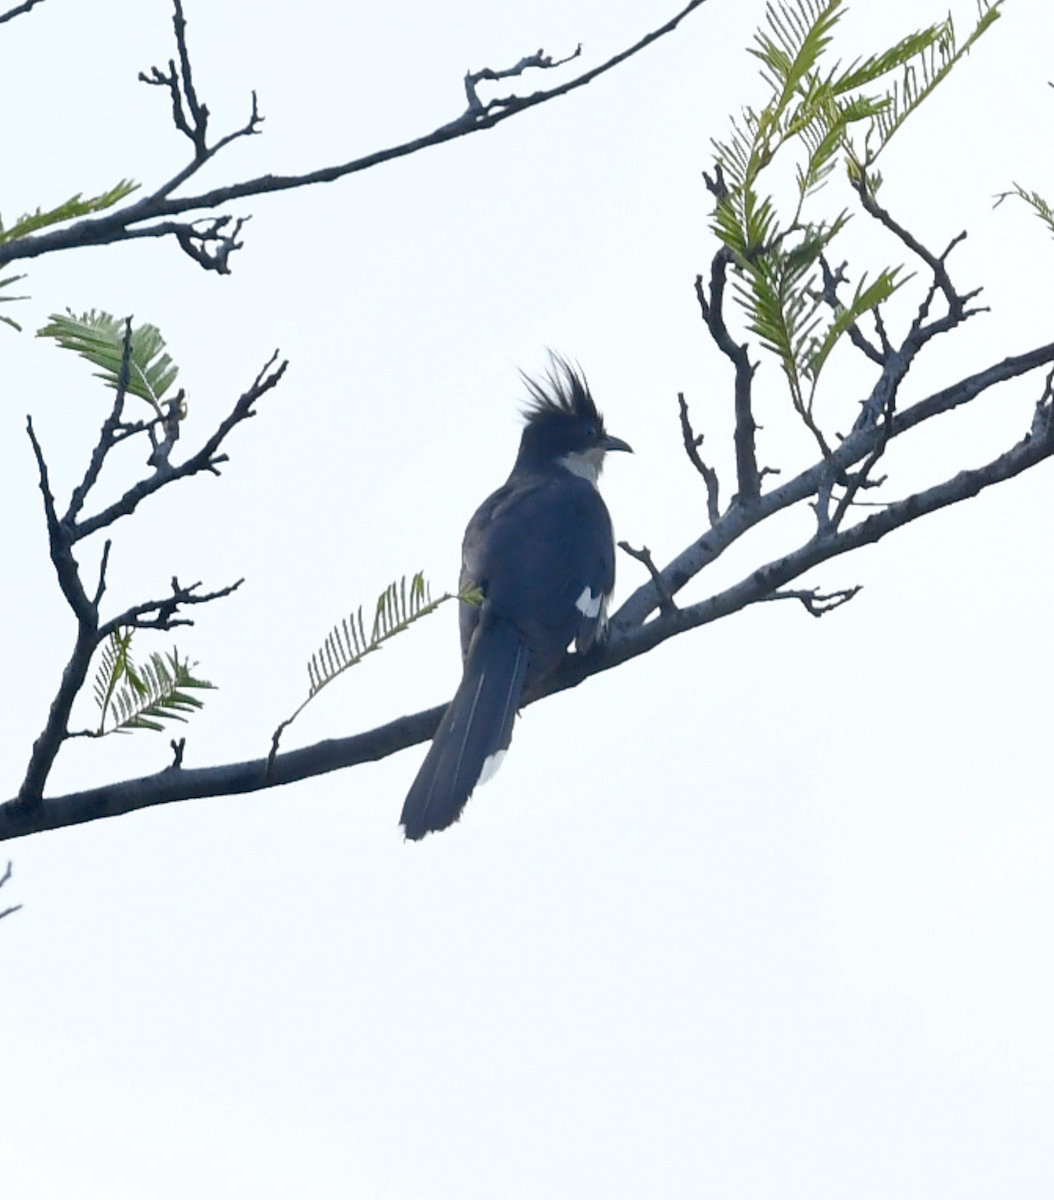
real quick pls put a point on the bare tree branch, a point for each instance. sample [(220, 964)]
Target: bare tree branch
[(64, 532), (17, 11), (855, 448), (129, 222), (13, 907), (174, 784), (206, 459), (712, 308), (161, 614), (692, 442), (541, 61), (835, 482), (643, 555), (816, 603)]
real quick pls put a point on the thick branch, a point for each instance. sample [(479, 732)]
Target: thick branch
[(48, 744), (855, 448), (1033, 448), (176, 784)]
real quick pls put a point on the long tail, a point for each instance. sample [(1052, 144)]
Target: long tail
[(476, 726)]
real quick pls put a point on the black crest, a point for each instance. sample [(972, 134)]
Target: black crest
[(561, 415), (562, 393)]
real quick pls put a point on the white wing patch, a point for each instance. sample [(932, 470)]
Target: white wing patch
[(589, 605), (490, 766)]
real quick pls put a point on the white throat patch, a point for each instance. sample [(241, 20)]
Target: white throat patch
[(585, 464)]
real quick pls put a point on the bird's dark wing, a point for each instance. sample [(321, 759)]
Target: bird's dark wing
[(541, 550)]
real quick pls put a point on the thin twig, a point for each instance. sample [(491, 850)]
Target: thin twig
[(712, 309), (206, 459), (666, 602), (831, 280), (178, 746), (540, 61), (692, 442), (3, 879), (162, 614), (815, 603)]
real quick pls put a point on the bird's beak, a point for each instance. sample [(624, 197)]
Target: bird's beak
[(614, 443)]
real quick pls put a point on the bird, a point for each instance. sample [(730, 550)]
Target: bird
[(539, 554)]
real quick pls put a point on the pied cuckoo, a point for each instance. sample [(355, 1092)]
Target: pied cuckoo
[(541, 552)]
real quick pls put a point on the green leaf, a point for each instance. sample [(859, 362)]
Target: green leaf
[(10, 299), (859, 74), (798, 35), (927, 66), (99, 337), (864, 300), (1035, 201), (396, 609), (812, 114), (74, 207), (141, 697)]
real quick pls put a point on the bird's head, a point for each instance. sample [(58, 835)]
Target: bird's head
[(563, 425)]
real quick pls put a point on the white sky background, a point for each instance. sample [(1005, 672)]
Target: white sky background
[(766, 913)]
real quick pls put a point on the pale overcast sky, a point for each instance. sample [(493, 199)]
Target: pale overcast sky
[(766, 913)]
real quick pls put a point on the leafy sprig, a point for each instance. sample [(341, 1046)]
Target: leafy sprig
[(926, 67), (140, 696), (10, 299), (1034, 200), (813, 113), (399, 606), (72, 208), (100, 338)]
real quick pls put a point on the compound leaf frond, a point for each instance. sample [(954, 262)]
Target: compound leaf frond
[(99, 337), (396, 609), (141, 697), (67, 211)]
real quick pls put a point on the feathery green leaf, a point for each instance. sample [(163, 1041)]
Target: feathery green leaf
[(1035, 201), (927, 60), (74, 207), (141, 697), (10, 299), (347, 644), (99, 337), (812, 114), (864, 300)]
